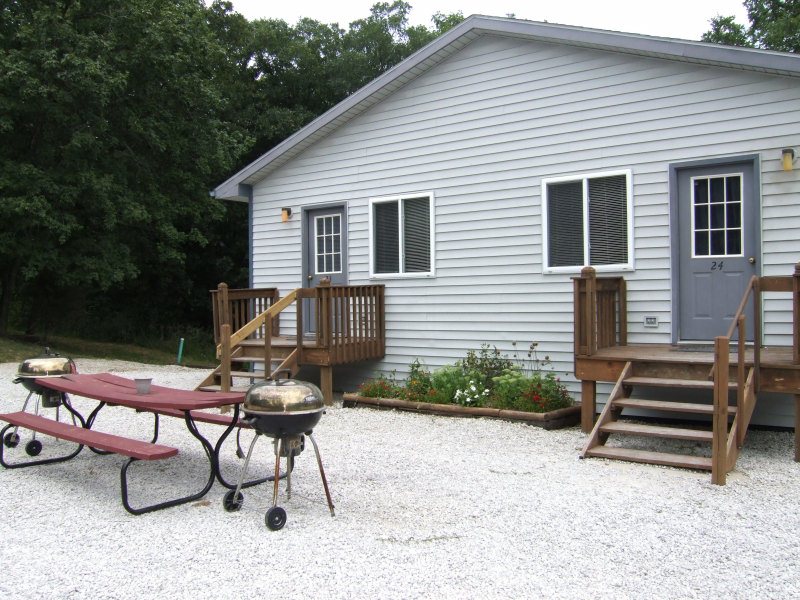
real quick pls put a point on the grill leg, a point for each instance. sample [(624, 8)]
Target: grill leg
[(243, 472), (277, 472), (322, 474)]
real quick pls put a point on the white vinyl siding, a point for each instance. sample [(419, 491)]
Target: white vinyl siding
[(481, 130), (401, 240), (587, 221)]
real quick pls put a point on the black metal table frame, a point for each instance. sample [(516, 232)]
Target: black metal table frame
[(212, 454)]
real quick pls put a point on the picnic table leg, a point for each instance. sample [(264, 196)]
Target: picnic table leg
[(216, 453), (207, 448), (44, 461)]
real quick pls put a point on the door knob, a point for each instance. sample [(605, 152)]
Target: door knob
[(310, 277), (752, 260)]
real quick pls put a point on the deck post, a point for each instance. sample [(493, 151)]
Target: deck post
[(326, 383), (588, 405), (797, 428), (225, 359), (796, 353), (796, 313), (719, 448)]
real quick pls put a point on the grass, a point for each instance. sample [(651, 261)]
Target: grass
[(18, 348)]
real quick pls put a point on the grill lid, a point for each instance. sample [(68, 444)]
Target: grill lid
[(48, 364), (282, 397)]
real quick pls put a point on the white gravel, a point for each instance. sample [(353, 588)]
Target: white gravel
[(426, 507)]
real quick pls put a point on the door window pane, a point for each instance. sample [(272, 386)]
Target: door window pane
[(327, 232), (717, 216)]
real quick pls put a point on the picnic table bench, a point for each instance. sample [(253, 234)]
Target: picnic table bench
[(113, 390)]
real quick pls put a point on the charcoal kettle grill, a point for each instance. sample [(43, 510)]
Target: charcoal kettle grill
[(287, 410), (48, 364)]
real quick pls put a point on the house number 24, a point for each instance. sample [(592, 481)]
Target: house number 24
[(717, 266)]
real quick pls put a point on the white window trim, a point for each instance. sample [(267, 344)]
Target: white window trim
[(629, 266), (399, 199), (740, 175)]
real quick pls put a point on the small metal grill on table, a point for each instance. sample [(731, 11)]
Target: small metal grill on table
[(48, 364), (286, 410)]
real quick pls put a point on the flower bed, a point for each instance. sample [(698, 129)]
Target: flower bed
[(554, 419), (483, 384)]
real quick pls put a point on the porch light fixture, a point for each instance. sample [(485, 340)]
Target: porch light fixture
[(787, 156), (286, 212)]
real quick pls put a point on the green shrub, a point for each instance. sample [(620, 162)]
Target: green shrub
[(418, 385), (382, 387), (483, 377), (485, 364), (445, 382)]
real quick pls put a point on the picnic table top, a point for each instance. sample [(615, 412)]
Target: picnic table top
[(114, 389)]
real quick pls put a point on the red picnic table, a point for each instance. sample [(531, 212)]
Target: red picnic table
[(113, 390)]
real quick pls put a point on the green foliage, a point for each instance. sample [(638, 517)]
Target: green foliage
[(483, 378), (118, 116), (774, 25), (446, 381), (112, 136), (539, 392), (485, 364), (382, 387), (418, 385)]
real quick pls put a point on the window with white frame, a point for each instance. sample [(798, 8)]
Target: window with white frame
[(401, 235), (588, 222)]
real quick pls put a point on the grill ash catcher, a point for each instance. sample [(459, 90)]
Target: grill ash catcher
[(286, 410), (48, 364)]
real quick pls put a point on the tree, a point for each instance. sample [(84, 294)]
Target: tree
[(774, 25), (112, 137)]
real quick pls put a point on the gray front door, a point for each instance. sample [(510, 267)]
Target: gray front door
[(718, 246), (324, 251)]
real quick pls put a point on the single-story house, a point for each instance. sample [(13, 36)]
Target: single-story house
[(476, 178)]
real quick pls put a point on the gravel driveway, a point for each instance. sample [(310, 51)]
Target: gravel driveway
[(426, 507)]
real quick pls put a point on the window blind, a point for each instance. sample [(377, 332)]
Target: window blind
[(608, 220), (387, 237), (416, 235), (565, 224)]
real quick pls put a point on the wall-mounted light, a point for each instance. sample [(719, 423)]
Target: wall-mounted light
[(286, 212), (787, 157)]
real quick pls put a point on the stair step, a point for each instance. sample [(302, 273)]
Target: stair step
[(667, 406), (659, 431), (218, 388), (248, 374), (693, 384), (655, 458)]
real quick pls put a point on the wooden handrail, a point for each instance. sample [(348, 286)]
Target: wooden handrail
[(261, 319), (236, 307)]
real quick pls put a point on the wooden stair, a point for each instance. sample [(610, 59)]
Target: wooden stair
[(249, 358), (625, 432)]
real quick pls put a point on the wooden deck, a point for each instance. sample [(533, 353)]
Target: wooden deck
[(730, 372), (347, 326), (778, 371)]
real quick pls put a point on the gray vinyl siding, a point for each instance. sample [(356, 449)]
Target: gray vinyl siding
[(480, 131)]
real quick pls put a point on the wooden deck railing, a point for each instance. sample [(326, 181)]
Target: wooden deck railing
[(349, 325), (237, 307), (726, 445), (601, 313), (350, 321)]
